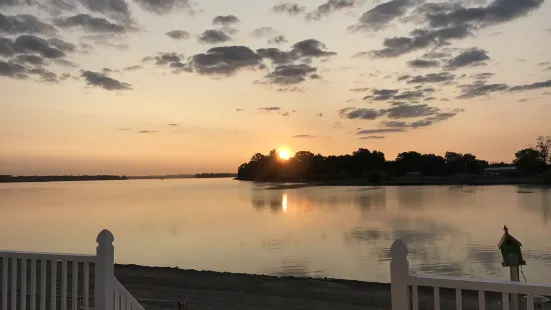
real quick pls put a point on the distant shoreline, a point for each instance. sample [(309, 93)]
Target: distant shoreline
[(59, 178)]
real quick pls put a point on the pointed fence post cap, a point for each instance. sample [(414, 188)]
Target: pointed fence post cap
[(105, 237), (398, 250)]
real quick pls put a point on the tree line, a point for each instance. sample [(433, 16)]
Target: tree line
[(58, 178), (307, 166), (214, 175)]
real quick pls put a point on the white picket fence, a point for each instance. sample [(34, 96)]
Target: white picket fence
[(405, 285), (31, 281)]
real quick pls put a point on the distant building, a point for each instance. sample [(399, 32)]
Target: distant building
[(510, 171)]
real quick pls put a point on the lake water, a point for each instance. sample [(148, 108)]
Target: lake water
[(339, 232)]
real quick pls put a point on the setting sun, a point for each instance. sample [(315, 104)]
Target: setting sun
[(284, 154)]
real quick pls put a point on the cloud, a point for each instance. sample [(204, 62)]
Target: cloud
[(225, 60), (289, 8), (479, 88), (360, 89), (372, 137), (166, 6), (44, 75), (329, 7), (410, 111), (290, 74), (431, 120), (89, 23), (409, 95), (178, 34), (375, 131), (132, 68), (62, 45), (483, 75), (104, 39), (280, 39), (276, 55), (239, 110), (359, 113), (431, 78), (12, 70), (382, 15), (214, 37), (30, 59), (225, 20), (311, 48), (268, 109), (394, 124), (117, 9), (436, 55), (497, 11), (447, 21), (20, 71), (103, 81), (381, 94), (537, 85), (173, 124), (419, 39), (319, 115), (147, 131), (422, 63), (31, 44), (284, 114), (301, 50), (291, 90), (435, 116), (304, 136), (261, 32), (544, 64), (469, 58), (25, 23), (165, 58)]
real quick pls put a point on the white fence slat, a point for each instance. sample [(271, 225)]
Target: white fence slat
[(53, 281), (415, 297), (480, 284), (64, 285), (42, 284), (14, 284), (75, 285), (481, 300), (530, 302), (86, 286), (458, 299), (24, 284), (436, 298), (505, 301), (4, 283), (33, 284)]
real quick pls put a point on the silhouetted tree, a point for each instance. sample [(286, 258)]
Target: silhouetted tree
[(529, 161), (543, 146)]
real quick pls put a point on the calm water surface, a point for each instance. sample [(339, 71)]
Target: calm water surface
[(226, 225)]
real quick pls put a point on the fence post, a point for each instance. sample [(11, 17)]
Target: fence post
[(105, 271), (399, 274)]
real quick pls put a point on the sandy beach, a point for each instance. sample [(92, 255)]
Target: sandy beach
[(160, 288)]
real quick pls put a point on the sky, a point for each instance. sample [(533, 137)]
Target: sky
[(173, 86)]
